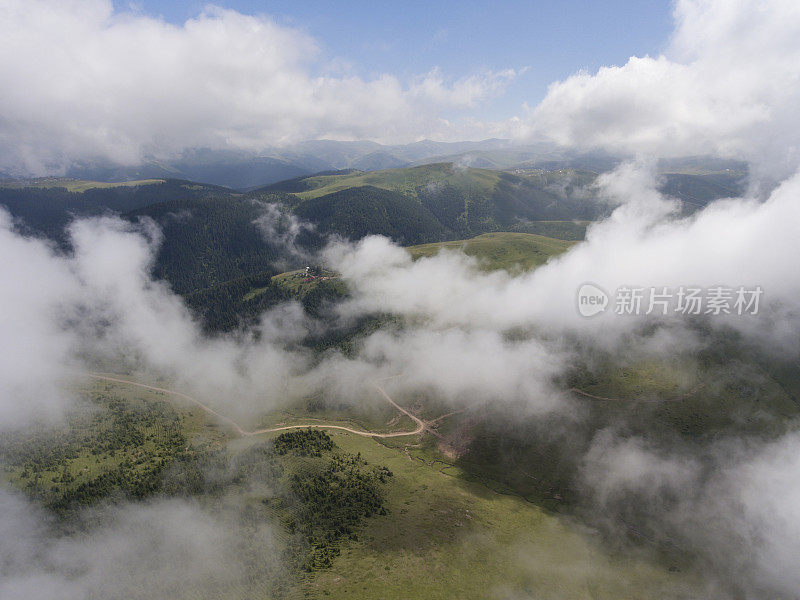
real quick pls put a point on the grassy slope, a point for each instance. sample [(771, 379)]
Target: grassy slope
[(441, 524), (501, 250), (199, 432), (571, 231), (75, 185), (402, 180), (371, 414), (448, 538), (696, 400), (444, 537)]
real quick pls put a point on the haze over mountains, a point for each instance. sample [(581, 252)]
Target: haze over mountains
[(242, 170), (239, 234), (234, 363)]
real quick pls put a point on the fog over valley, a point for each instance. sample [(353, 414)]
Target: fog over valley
[(260, 337)]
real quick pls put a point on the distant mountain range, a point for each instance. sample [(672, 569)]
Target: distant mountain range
[(212, 233), (245, 170), (241, 170)]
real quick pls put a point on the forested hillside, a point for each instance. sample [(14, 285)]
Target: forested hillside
[(236, 303), (437, 202), (211, 240), (445, 201), (46, 207), (220, 249), (366, 210), (697, 190)]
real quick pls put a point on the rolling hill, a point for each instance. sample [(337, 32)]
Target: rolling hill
[(46, 205), (227, 305), (403, 180), (74, 185), (211, 234), (245, 170), (510, 251), (211, 240), (352, 516), (444, 201), (233, 169)]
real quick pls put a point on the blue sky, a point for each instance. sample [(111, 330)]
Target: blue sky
[(388, 72), (552, 39)]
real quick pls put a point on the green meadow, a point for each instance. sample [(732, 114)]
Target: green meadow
[(502, 250)]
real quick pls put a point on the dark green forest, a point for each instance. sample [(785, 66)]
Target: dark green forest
[(216, 256), (134, 450), (236, 303), (47, 210), (212, 240), (357, 212)]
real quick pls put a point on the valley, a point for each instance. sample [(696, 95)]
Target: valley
[(379, 301), (445, 482), (438, 519)]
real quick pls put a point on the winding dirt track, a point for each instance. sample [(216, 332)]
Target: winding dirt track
[(421, 425)]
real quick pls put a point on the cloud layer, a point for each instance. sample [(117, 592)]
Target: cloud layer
[(644, 243), (162, 549), (470, 339), (87, 82), (82, 81), (728, 84)]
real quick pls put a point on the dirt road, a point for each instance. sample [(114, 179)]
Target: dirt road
[(421, 425)]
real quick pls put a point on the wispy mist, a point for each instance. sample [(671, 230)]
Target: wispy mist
[(728, 85)]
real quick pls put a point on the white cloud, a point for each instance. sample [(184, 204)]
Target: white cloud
[(614, 467), (728, 84), (100, 303), (162, 549), (281, 228), (765, 490), (736, 504), (644, 243), (468, 368), (34, 347), (82, 81)]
